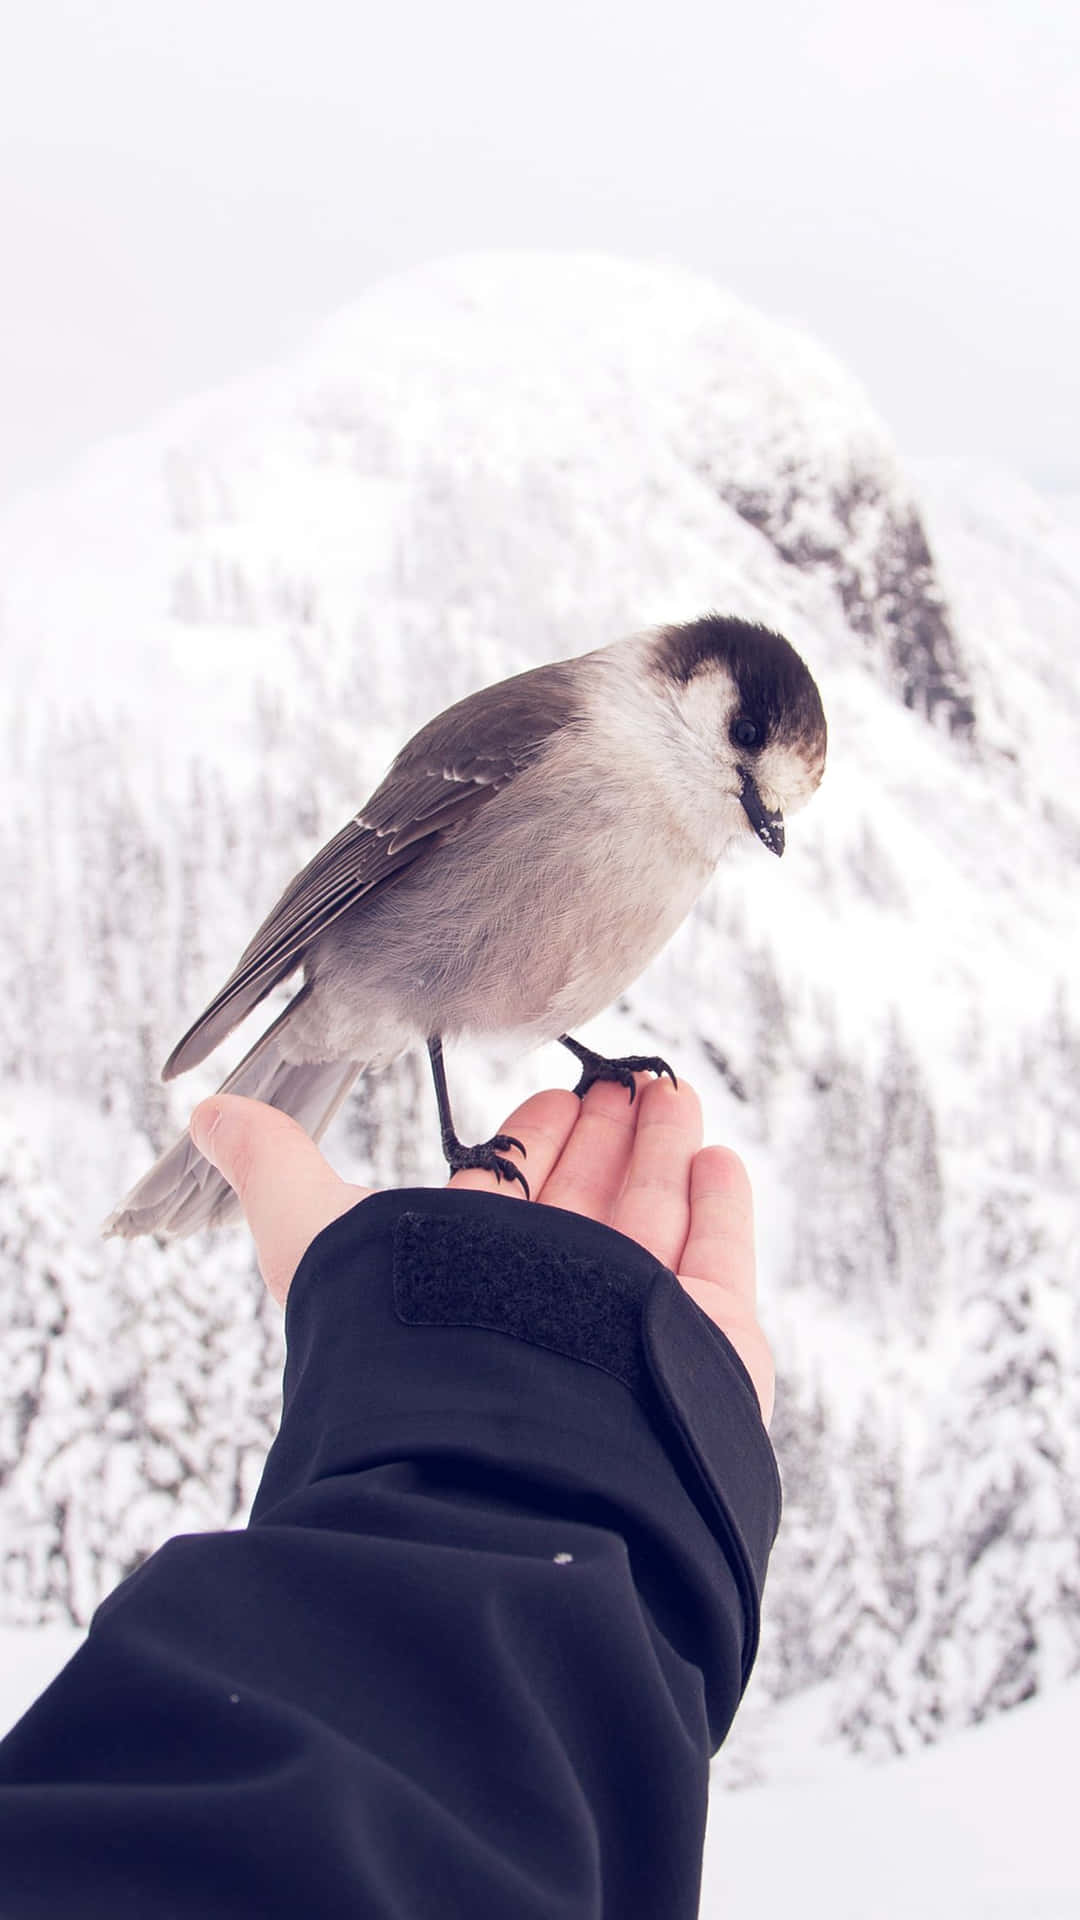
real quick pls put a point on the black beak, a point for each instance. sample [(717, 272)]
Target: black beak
[(768, 826)]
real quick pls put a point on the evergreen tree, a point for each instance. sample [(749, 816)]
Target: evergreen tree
[(772, 1050), (194, 861), (999, 1580), (802, 1441), (149, 1100), (838, 1246), (906, 1180), (58, 1348), (875, 1612), (146, 1389)]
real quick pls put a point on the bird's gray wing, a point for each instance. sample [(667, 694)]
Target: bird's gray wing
[(441, 777)]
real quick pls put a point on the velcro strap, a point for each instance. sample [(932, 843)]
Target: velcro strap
[(472, 1273)]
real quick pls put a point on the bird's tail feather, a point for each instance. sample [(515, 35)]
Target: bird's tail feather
[(182, 1191)]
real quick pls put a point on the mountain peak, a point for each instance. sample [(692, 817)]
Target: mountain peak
[(553, 347)]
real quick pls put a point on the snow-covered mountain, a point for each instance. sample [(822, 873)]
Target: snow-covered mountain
[(217, 633)]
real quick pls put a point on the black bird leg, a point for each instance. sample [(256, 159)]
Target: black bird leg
[(489, 1154), (595, 1067)]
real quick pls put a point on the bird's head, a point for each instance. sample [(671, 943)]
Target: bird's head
[(754, 712)]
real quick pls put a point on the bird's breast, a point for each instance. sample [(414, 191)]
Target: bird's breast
[(532, 919), (564, 915)]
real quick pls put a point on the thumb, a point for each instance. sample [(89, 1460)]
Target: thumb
[(289, 1193)]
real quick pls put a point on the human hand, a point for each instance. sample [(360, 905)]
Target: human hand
[(638, 1167)]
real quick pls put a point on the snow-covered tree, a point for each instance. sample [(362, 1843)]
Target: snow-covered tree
[(805, 1448), (839, 1246), (999, 1518), (866, 1611), (906, 1181)]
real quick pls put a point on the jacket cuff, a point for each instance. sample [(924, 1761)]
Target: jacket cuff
[(436, 1322)]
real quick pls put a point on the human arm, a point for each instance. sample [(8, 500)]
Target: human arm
[(498, 1597)]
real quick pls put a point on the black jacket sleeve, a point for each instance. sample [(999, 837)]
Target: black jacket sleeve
[(495, 1606)]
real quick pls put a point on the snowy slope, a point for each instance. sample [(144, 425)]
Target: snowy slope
[(981, 1828), (217, 632)]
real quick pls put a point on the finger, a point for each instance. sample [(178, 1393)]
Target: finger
[(717, 1268), (543, 1124), (654, 1206), (719, 1248), (589, 1174), (289, 1193)]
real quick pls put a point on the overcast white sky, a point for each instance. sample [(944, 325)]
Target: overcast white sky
[(186, 186)]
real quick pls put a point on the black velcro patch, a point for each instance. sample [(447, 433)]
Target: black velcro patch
[(469, 1273)]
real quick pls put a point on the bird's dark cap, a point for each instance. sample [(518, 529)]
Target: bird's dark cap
[(776, 688)]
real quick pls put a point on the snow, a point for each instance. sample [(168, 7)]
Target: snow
[(31, 1657), (982, 1827)]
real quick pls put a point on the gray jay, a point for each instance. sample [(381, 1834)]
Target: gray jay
[(527, 854)]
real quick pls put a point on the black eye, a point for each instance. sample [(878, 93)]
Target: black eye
[(744, 733)]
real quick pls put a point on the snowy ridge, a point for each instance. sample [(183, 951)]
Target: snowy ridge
[(219, 631)]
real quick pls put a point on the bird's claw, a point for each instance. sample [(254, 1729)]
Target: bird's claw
[(622, 1071), (488, 1156), (505, 1140)]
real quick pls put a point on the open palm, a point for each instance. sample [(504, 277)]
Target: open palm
[(639, 1167)]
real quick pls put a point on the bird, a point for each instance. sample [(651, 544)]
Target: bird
[(527, 854)]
